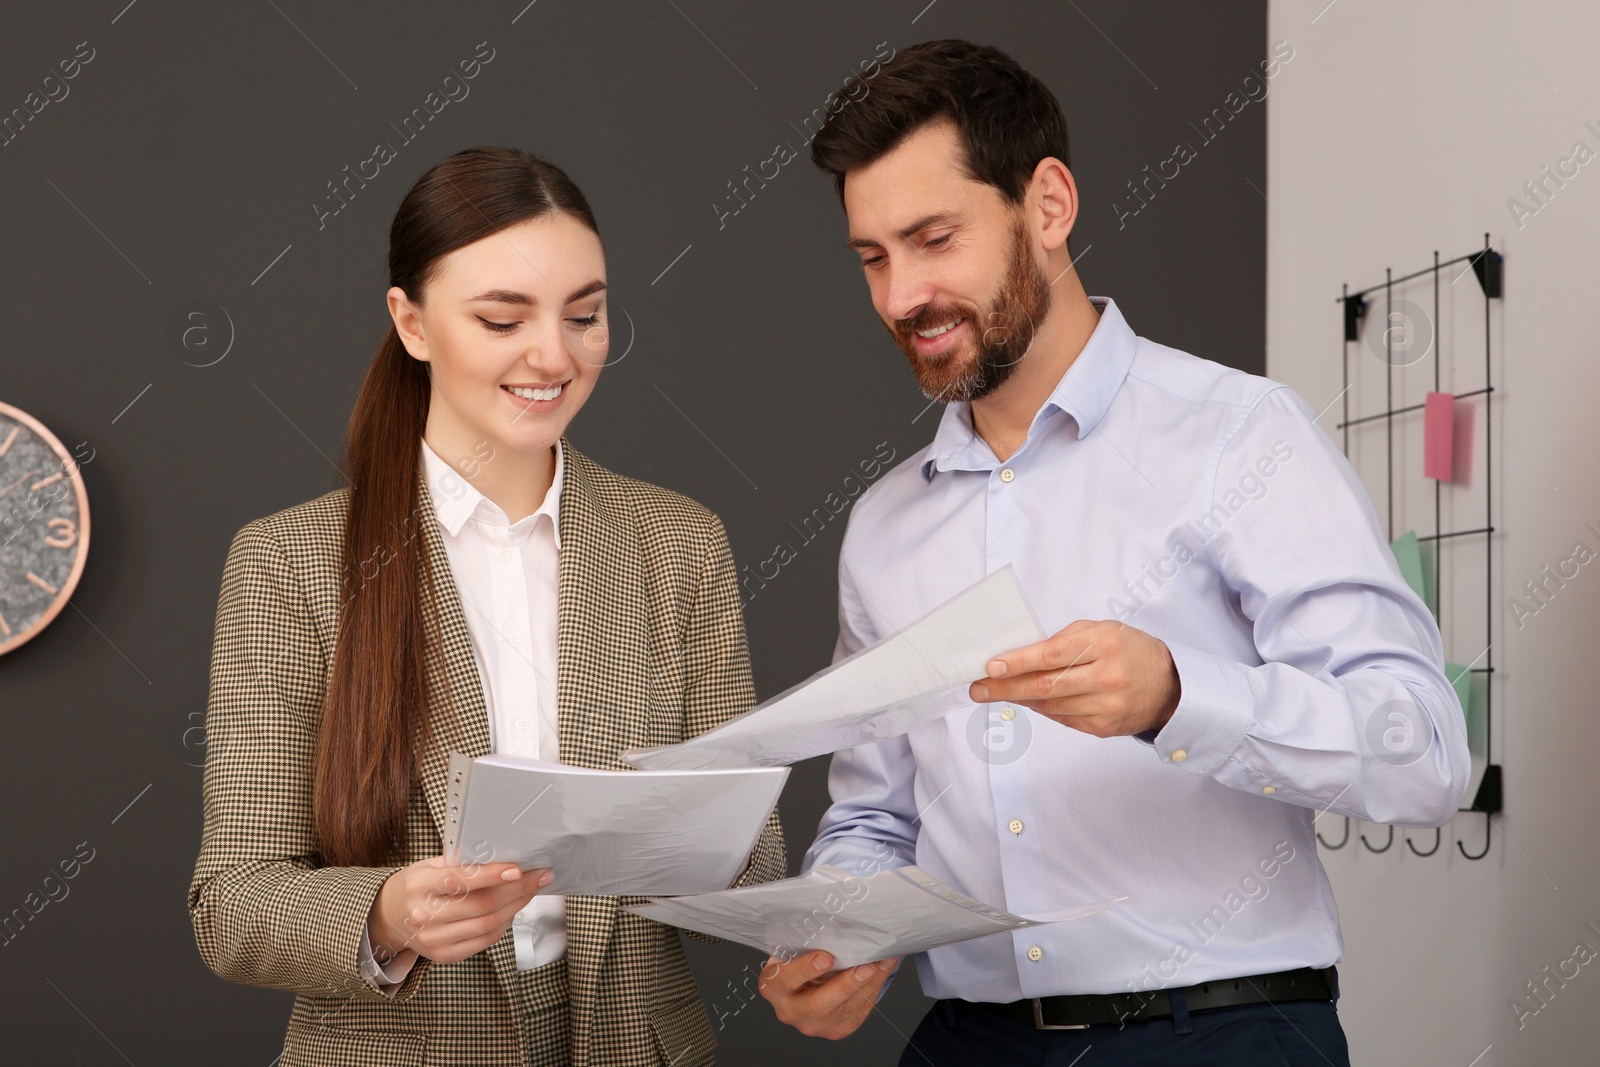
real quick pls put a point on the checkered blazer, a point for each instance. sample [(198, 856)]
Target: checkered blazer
[(650, 650)]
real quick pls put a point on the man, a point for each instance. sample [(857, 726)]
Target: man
[(1234, 650)]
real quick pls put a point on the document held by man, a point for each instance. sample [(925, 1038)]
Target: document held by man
[(605, 832), (901, 681), (855, 919)]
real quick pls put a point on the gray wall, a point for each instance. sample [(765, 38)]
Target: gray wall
[(181, 174), (1450, 961)]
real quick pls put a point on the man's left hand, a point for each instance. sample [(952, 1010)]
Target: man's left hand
[(1104, 678)]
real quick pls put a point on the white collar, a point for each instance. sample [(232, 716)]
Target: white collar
[(455, 499)]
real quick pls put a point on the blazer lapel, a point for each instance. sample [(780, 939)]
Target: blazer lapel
[(603, 645), (602, 676), (602, 642), (460, 717), (602, 684)]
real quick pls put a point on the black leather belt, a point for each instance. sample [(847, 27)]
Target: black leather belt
[(1081, 1011)]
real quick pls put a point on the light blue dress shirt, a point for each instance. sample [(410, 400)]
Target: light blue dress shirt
[(1204, 506)]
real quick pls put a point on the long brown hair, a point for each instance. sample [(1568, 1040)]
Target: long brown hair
[(375, 718)]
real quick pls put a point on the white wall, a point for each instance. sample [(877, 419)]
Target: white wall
[(1398, 129)]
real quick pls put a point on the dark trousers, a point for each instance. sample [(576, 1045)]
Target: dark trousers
[(1300, 1033)]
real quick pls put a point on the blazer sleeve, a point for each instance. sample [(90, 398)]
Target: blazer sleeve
[(264, 912), (720, 685)]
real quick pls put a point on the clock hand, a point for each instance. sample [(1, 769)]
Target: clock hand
[(18, 482)]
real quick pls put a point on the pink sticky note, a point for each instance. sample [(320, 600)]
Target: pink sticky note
[(1438, 435)]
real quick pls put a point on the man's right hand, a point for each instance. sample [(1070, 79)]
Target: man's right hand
[(448, 913), (819, 1004)]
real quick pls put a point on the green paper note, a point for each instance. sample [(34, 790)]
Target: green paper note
[(1461, 679), (1408, 553)]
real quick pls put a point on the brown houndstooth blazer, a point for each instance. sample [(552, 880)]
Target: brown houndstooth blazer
[(650, 650)]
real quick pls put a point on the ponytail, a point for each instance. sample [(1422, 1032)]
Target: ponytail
[(374, 717)]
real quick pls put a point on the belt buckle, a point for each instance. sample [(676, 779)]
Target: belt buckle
[(1040, 1024)]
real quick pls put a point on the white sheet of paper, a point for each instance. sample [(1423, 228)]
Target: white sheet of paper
[(899, 682), (604, 832), (856, 919)]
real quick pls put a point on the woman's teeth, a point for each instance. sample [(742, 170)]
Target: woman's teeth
[(929, 335), (535, 394)]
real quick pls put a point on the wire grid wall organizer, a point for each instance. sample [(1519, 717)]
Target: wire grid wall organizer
[(1486, 264)]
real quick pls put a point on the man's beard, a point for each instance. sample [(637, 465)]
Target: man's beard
[(1003, 332)]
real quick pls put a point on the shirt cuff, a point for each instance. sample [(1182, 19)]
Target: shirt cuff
[(889, 980), (382, 974), (1214, 713)]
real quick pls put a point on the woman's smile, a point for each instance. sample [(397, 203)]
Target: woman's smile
[(535, 397)]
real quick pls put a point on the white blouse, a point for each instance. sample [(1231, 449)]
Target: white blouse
[(506, 576)]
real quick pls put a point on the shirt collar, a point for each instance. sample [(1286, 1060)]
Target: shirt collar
[(1085, 392), (455, 500)]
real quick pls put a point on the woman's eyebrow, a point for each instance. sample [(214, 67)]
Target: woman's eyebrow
[(503, 296), (593, 287), (507, 296)]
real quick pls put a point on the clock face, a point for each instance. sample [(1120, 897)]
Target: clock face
[(44, 525)]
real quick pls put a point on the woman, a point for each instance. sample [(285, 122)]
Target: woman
[(480, 586)]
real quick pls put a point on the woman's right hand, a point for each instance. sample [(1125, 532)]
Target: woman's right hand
[(448, 913)]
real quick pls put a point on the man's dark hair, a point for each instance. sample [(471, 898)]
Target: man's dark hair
[(1008, 120)]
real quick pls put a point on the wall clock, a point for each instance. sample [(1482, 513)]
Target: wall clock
[(44, 525)]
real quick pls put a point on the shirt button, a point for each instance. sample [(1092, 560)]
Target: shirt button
[(1015, 826), (1269, 789), (521, 919), (505, 554), (1008, 714), (1179, 755), (1035, 953), (1006, 474), (521, 725), (516, 642)]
